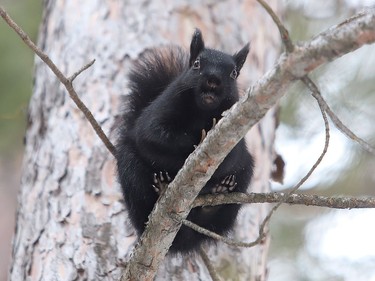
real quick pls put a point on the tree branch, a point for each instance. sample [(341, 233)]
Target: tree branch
[(226, 240), (176, 202), (67, 82), (284, 34), (338, 123), (210, 267), (293, 199), (279, 198)]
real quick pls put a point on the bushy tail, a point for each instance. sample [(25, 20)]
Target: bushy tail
[(151, 74)]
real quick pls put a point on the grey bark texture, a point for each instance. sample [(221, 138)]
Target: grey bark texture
[(71, 222)]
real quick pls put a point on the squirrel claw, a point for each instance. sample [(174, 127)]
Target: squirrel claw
[(204, 134), (160, 182), (157, 190)]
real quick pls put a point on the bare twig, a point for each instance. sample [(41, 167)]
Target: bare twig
[(210, 267), (339, 125), (284, 33), (68, 82), (279, 198), (293, 199), (334, 202), (83, 68), (216, 236)]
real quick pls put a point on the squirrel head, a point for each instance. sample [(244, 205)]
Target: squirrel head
[(215, 74)]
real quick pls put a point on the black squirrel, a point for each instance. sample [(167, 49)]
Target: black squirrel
[(173, 97)]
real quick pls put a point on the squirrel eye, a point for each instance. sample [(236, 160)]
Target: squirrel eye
[(196, 64), (234, 74)]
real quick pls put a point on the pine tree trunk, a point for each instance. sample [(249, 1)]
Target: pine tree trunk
[(71, 222)]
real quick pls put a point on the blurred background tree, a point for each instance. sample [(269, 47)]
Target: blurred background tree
[(305, 240)]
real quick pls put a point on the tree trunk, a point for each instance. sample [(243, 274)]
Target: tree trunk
[(71, 222)]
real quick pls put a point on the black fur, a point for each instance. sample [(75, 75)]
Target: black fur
[(173, 97)]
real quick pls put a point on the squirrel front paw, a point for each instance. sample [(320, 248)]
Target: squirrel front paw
[(160, 182), (228, 184)]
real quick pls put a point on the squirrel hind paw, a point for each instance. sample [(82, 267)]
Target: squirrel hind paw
[(228, 184)]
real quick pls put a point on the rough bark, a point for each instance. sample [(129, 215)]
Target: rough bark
[(71, 223)]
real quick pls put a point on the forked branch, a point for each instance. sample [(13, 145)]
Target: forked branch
[(66, 81)]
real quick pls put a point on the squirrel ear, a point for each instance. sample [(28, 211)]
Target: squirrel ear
[(196, 46), (240, 57)]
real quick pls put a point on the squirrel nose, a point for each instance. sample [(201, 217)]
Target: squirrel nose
[(213, 82)]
